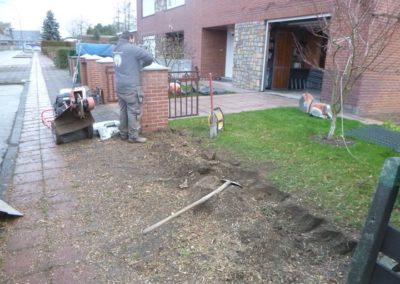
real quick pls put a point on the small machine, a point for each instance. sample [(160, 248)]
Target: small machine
[(70, 118)]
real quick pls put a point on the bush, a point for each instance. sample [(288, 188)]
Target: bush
[(49, 47), (62, 54)]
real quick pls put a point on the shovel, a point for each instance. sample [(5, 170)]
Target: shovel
[(213, 120)]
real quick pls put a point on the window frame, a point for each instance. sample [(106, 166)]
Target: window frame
[(149, 41), (176, 3), (152, 12)]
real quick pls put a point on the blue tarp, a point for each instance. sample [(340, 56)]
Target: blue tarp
[(99, 49)]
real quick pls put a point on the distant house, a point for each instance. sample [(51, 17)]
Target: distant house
[(26, 38), (252, 44), (102, 39), (5, 41)]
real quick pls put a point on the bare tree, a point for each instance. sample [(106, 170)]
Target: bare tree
[(125, 16), (5, 28), (356, 40), (78, 27), (169, 48)]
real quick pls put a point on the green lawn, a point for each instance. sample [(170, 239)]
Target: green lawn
[(333, 180)]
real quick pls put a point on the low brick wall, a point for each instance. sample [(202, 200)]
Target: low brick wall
[(154, 85)]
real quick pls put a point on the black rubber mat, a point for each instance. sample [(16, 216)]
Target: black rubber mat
[(377, 135)]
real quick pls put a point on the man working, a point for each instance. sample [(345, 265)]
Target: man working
[(129, 60)]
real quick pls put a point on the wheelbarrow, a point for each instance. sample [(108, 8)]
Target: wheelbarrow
[(70, 118)]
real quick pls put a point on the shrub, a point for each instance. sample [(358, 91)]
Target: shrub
[(61, 60), (49, 47)]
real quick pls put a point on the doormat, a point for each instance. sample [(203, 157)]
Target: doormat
[(377, 135)]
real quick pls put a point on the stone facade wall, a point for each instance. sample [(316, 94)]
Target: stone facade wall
[(248, 55)]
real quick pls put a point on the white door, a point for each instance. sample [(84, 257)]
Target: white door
[(229, 52)]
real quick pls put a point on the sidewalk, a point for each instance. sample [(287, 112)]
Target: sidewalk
[(38, 246)]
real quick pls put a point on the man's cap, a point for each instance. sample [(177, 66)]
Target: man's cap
[(127, 35)]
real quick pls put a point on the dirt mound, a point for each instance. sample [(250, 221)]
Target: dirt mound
[(250, 234)]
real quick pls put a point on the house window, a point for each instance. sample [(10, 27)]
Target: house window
[(174, 3), (149, 42), (148, 7)]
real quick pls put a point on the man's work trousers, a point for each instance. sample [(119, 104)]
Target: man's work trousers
[(130, 106)]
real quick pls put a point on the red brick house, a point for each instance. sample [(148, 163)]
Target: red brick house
[(251, 43)]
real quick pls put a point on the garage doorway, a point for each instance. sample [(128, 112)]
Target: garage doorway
[(284, 67)]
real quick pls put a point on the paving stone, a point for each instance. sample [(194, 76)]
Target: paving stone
[(28, 167), (59, 197), (28, 177), (29, 143), (26, 138), (61, 210), (77, 273), (23, 148), (26, 238), (52, 173), (29, 154), (35, 158), (29, 201), (31, 219), (50, 155), (48, 139), (25, 261), (54, 184), (28, 188), (48, 145), (54, 164), (34, 278), (67, 253)]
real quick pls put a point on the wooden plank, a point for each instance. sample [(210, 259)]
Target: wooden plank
[(391, 243), (383, 275), (370, 243)]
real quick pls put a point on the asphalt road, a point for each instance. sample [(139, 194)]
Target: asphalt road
[(10, 94)]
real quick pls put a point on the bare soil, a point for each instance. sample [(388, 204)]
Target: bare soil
[(252, 234), (335, 141)]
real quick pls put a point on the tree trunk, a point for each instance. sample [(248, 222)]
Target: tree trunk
[(332, 128)]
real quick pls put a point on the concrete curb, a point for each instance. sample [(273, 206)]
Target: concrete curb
[(8, 163)]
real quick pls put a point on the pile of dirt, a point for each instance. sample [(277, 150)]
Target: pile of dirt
[(250, 234)]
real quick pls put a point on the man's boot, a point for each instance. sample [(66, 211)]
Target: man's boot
[(138, 139)]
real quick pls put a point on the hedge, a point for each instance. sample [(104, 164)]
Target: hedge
[(50, 47), (61, 60)]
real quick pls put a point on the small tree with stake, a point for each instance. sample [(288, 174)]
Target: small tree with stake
[(50, 28), (356, 40)]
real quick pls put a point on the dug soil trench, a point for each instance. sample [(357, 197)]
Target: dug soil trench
[(243, 235)]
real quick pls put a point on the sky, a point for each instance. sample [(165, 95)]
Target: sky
[(30, 14)]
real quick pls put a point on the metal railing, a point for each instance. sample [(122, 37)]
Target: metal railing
[(183, 93)]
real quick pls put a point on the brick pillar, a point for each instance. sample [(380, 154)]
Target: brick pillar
[(155, 105), (93, 74), (83, 71), (107, 84)]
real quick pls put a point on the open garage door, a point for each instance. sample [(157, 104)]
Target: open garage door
[(285, 68)]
